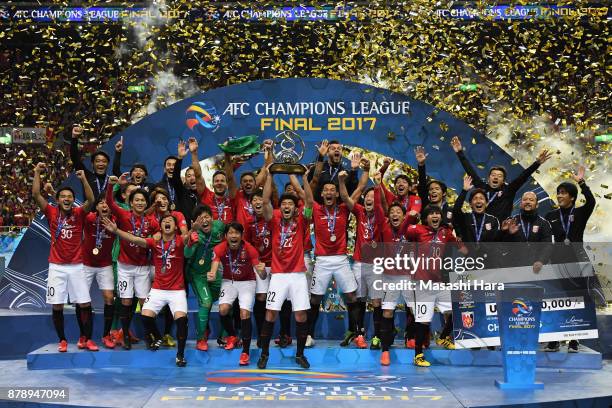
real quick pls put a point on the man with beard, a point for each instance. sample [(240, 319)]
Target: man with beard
[(403, 193), (500, 195), (168, 181), (100, 160), (133, 266), (568, 223), (330, 169), (66, 277), (98, 264), (240, 262), (288, 281), (169, 284), (221, 198), (433, 191), (199, 254)]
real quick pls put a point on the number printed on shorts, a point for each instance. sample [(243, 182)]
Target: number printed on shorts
[(147, 299), (50, 291), (222, 293), (421, 309), (123, 285), (271, 296), (312, 283)]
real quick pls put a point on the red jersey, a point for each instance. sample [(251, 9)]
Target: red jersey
[(237, 264), (66, 235), (243, 208), (323, 223), (93, 227), (258, 234), (141, 226), (410, 202), (369, 229), (288, 255), (168, 262), (180, 219), (222, 208), (432, 245)]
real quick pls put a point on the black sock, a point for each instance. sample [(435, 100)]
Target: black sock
[(259, 311), (353, 310), (313, 315), (420, 333), (181, 335), (301, 332), (285, 319), (265, 336), (150, 328), (77, 313), (386, 332), (87, 321), (448, 326), (109, 310), (351, 317), (58, 323), (376, 319), (168, 320), (226, 323), (125, 316), (246, 327), (410, 325), (236, 315), (362, 311)]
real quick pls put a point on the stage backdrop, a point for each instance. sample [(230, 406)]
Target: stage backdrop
[(376, 119)]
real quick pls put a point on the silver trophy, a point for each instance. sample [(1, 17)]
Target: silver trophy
[(288, 150)]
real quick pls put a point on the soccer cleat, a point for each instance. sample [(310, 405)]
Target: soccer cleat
[(168, 341), (133, 337), (244, 359), (310, 341), (410, 343), (283, 341), (109, 342), (263, 361), (155, 345), (117, 336), (231, 342), (419, 360), (572, 347), (375, 343), (221, 341), (446, 343), (180, 361), (62, 347), (360, 342), (302, 361), (127, 344), (81, 343), (385, 358), (348, 337), (202, 345), (91, 345), (552, 346)]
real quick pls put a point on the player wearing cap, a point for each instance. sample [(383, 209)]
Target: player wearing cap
[(169, 284), (66, 278), (240, 261), (288, 281)]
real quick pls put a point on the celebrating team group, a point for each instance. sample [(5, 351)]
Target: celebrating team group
[(248, 245)]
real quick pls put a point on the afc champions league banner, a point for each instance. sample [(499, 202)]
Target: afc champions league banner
[(377, 120)]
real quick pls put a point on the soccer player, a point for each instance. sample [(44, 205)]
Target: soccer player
[(403, 192), (328, 170), (240, 260), (221, 198), (199, 254), (100, 160), (288, 281), (133, 265), (370, 219), (169, 283), (66, 277), (168, 181), (98, 263), (330, 225), (433, 191), (568, 223), (500, 195)]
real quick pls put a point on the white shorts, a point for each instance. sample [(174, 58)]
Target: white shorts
[(66, 282), (103, 274), (365, 278), (427, 300), (243, 290), (291, 286), (391, 298), (133, 280), (158, 298), (262, 284), (336, 266)]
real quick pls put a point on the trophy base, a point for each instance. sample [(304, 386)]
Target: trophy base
[(287, 168)]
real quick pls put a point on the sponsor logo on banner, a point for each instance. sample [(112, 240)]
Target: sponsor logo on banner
[(468, 319)]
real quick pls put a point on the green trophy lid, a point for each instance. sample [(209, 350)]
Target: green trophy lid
[(241, 145)]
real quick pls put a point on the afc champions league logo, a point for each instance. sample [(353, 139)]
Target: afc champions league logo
[(202, 115), (521, 307)]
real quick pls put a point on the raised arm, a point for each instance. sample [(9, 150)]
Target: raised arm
[(40, 200), (589, 205), (89, 194), (195, 165), (111, 226), (421, 157), (268, 211), (467, 166), (297, 187), (458, 215), (515, 184), (75, 155), (268, 159), (318, 169), (110, 197), (229, 174), (348, 200), (117, 158), (308, 197), (386, 163), (363, 180)]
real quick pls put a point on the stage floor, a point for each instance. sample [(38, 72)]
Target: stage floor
[(326, 385)]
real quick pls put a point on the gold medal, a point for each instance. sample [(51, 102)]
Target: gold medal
[(172, 206), (332, 238), (95, 251), (261, 248), (374, 244), (201, 262)]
